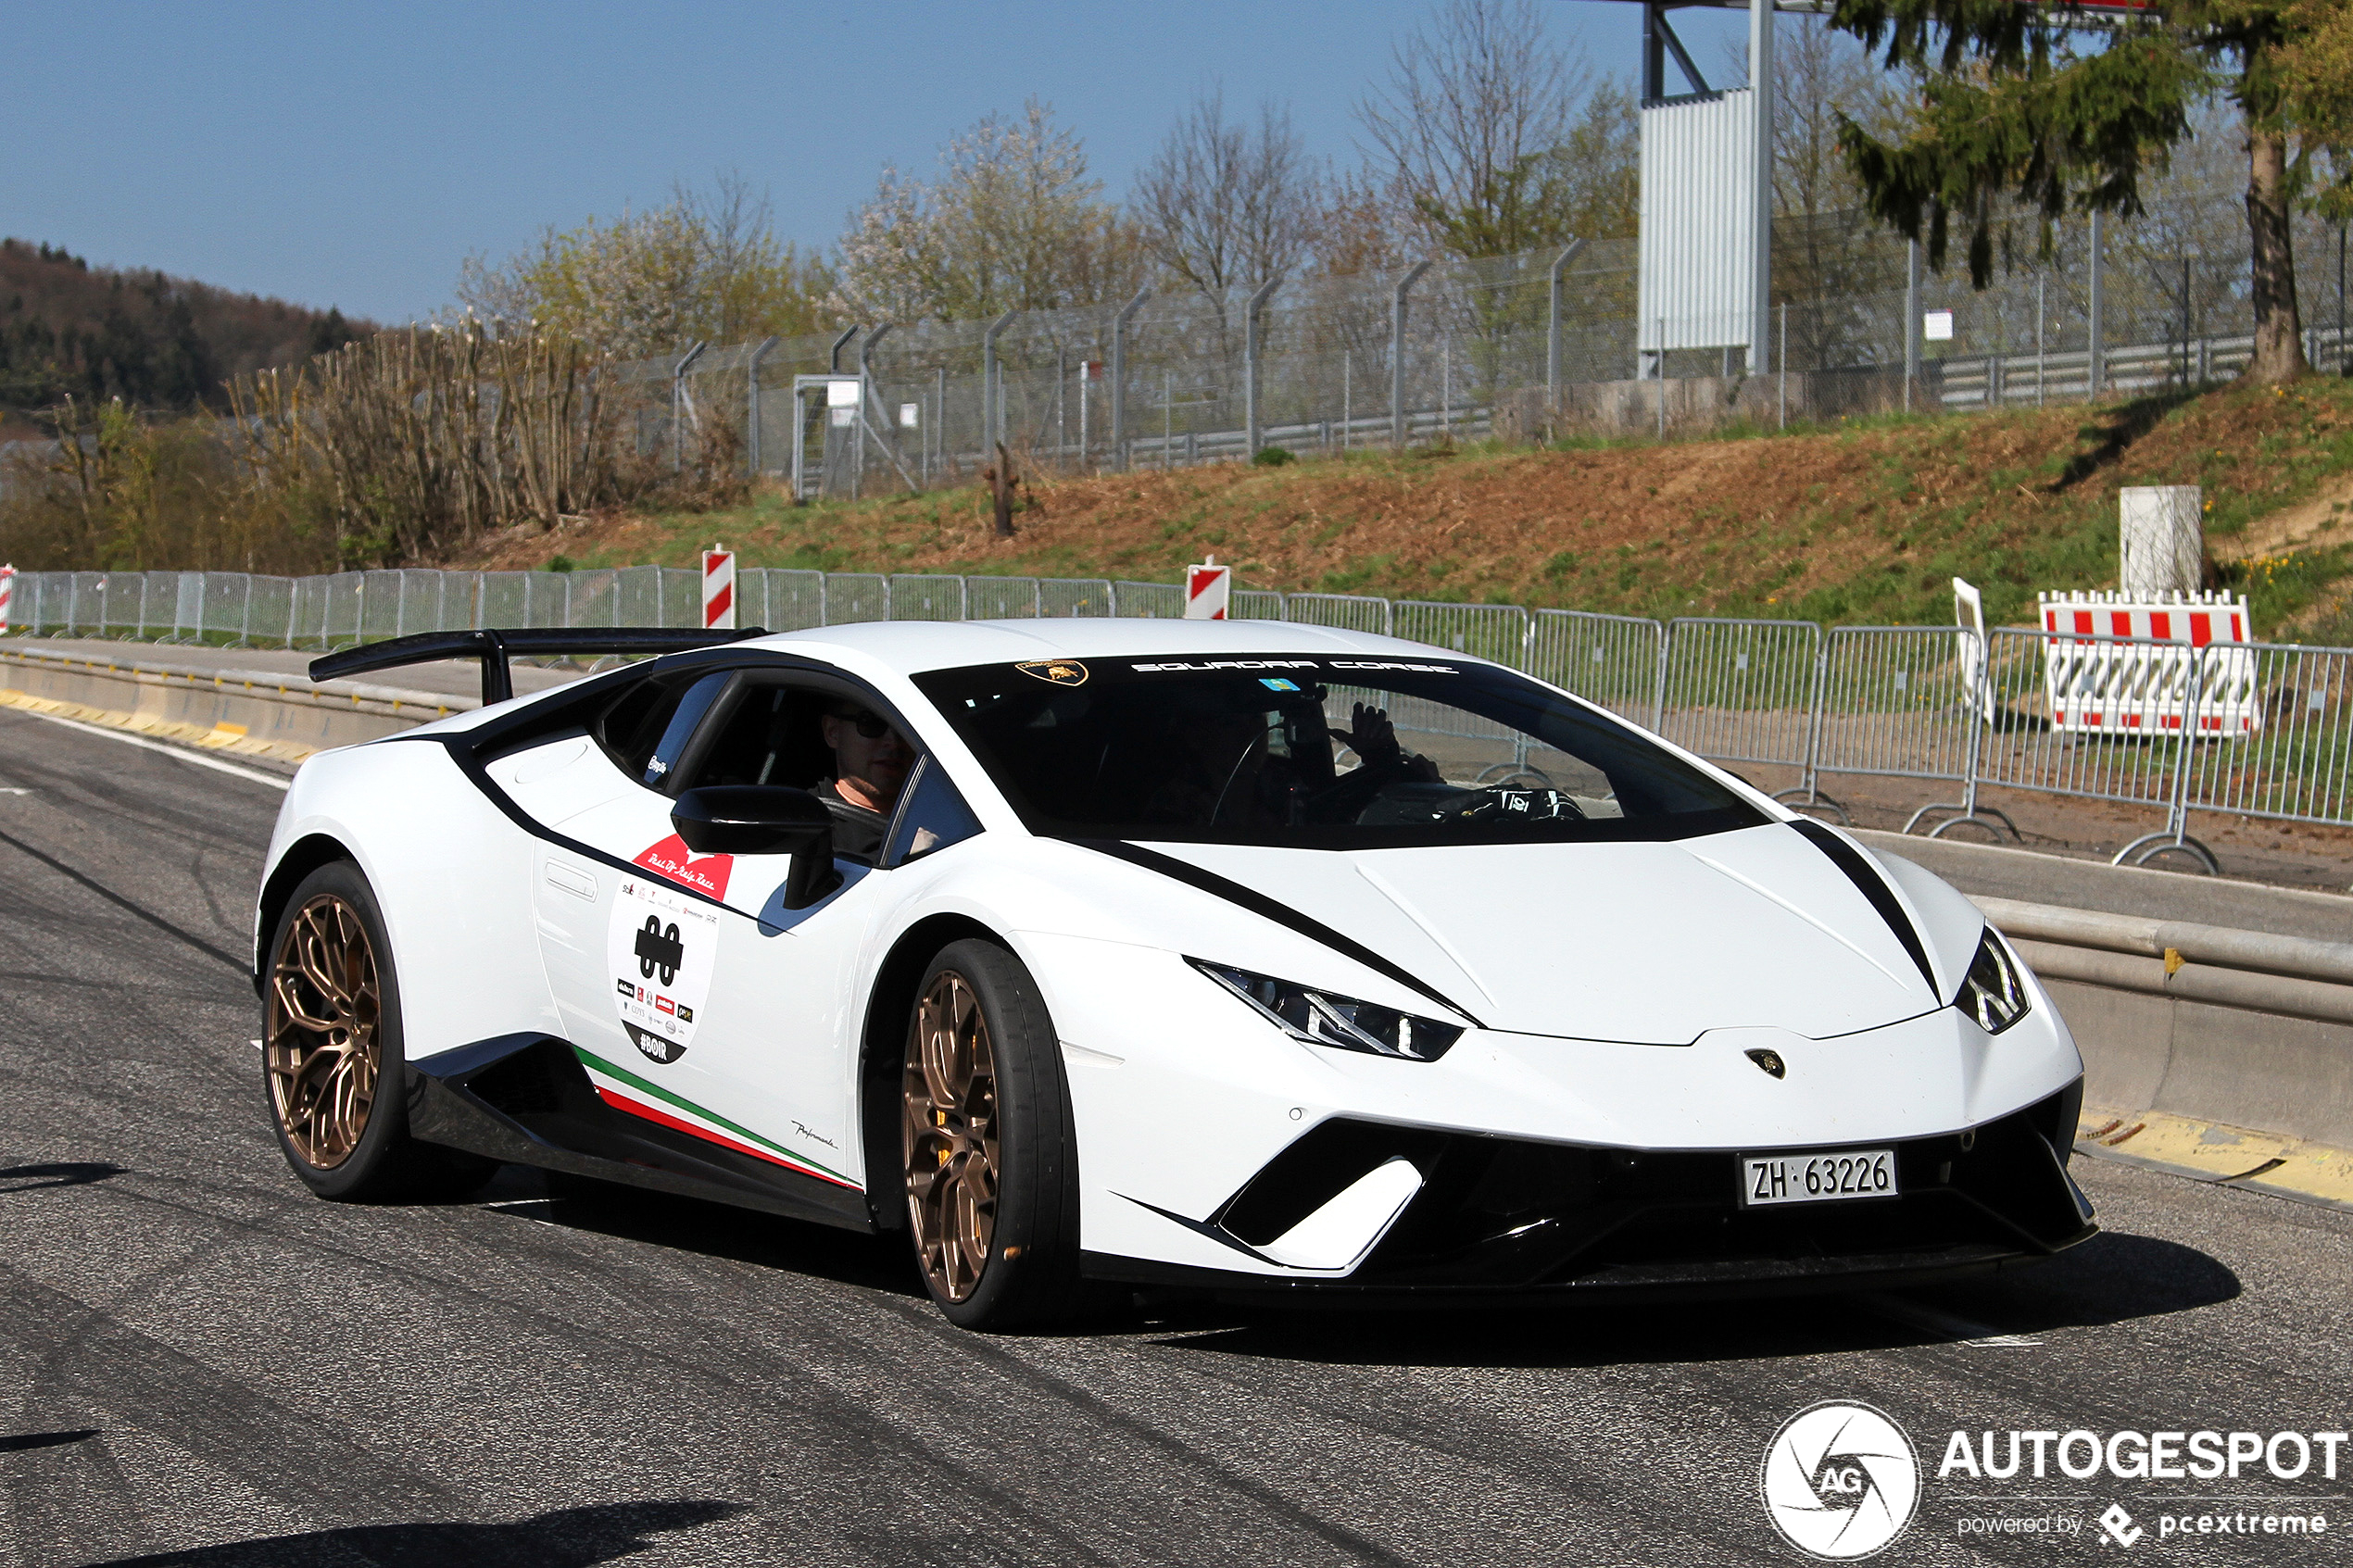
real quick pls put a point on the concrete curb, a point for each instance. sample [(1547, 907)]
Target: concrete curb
[(284, 713)]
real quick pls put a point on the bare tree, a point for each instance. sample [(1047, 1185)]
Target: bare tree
[(1224, 203), (1014, 222), (700, 266), (1464, 126)]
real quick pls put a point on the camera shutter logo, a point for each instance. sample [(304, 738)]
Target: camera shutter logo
[(1840, 1481)]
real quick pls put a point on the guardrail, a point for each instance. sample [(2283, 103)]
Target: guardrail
[(2264, 730), (2238, 1027)]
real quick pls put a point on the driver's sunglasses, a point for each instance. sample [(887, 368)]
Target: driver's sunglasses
[(869, 725)]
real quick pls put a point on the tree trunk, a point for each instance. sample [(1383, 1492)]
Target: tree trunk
[(2279, 331), (1000, 482)]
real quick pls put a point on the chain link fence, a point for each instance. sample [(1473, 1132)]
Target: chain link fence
[(2258, 730), (1468, 349)]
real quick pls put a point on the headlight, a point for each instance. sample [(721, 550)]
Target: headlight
[(1993, 994), (1344, 1023)]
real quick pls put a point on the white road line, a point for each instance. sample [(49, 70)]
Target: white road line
[(1911, 1314), (198, 757), (14, 791)]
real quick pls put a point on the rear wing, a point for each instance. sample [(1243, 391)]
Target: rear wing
[(494, 646)]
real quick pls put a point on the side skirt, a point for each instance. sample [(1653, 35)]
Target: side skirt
[(525, 1099)]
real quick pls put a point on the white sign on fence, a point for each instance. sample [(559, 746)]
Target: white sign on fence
[(1209, 591), (719, 589), (841, 394)]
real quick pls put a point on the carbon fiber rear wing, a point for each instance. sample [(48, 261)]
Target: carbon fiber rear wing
[(495, 646)]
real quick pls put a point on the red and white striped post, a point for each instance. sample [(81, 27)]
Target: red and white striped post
[(8, 590), (1209, 591), (719, 589)]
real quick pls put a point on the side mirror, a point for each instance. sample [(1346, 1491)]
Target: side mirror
[(763, 820)]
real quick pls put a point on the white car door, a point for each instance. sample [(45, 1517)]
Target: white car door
[(694, 996)]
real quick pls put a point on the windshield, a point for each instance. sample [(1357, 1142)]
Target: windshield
[(1317, 753)]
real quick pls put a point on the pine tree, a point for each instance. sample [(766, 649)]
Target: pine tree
[(2016, 109)]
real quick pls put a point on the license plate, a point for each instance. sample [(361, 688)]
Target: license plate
[(1767, 1179)]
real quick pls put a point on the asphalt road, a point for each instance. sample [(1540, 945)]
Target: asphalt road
[(200, 1363)]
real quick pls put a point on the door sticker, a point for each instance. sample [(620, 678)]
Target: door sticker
[(672, 858), (660, 950)]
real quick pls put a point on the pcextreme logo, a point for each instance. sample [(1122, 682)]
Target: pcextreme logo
[(1841, 1481)]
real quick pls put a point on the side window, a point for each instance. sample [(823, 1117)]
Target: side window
[(932, 817), (648, 729), (768, 734)]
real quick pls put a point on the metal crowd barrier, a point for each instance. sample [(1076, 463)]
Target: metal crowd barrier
[(2256, 730)]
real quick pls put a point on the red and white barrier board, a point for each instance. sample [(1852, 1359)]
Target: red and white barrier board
[(2143, 687), (8, 590), (719, 589), (1209, 591)]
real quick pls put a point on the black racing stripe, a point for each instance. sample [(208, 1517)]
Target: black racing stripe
[(1281, 914), (1859, 871)]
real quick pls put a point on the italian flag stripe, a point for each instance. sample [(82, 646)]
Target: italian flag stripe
[(787, 1157)]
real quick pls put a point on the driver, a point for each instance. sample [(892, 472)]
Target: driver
[(870, 763)]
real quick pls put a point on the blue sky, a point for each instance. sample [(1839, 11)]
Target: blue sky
[(354, 155)]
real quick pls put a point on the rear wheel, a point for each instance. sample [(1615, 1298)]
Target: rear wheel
[(332, 1067), (991, 1163)]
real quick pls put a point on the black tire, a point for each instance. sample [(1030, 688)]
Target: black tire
[(1021, 1269), (334, 1077)]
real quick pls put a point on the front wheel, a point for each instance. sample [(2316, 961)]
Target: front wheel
[(332, 1067), (991, 1162)]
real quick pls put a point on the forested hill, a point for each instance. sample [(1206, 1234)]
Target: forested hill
[(157, 341)]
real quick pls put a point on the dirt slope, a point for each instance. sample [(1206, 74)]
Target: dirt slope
[(1867, 522)]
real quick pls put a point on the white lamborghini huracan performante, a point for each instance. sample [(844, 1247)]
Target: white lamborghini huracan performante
[(1094, 954)]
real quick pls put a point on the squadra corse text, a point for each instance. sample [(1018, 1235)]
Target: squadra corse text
[(2138, 1456)]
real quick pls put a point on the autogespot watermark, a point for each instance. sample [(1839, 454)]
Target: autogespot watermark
[(1842, 1481)]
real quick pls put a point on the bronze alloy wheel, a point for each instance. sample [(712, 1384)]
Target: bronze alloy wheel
[(949, 1132), (322, 1045)]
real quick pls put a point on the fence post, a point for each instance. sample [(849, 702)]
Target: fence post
[(1249, 366), (752, 401), (1911, 318), (2094, 357), (679, 402), (865, 397), (1784, 359), (992, 394), (1658, 687), (1553, 336), (1397, 353), (1119, 374)]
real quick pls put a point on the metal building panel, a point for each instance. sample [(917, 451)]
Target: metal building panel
[(1698, 284)]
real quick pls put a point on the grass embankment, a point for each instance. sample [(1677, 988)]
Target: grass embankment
[(1867, 522)]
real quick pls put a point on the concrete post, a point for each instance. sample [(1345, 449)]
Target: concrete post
[(1397, 353), (1250, 365), (1119, 375)]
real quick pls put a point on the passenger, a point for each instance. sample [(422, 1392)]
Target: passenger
[(870, 763)]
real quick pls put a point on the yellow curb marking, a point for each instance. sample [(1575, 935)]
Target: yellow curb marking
[(225, 737), (2209, 1151)]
